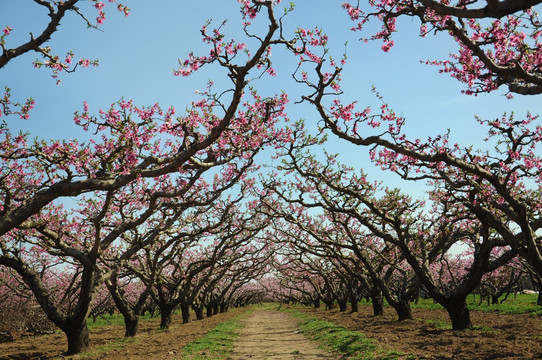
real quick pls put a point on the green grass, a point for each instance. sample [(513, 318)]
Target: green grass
[(216, 344), (520, 304), (115, 319), (117, 344), (438, 324), (344, 343)]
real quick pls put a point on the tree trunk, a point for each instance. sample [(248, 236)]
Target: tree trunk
[(209, 309), (78, 337), (131, 324), (216, 308), (354, 306), (378, 304), (166, 312), (354, 303), (495, 299), (199, 312), (316, 303), (185, 311), (343, 305), (539, 299), (404, 312), (223, 308), (459, 314)]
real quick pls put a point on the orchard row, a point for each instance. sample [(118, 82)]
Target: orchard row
[(176, 211)]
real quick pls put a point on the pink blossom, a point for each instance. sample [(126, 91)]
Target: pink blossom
[(101, 18), (84, 62), (387, 45)]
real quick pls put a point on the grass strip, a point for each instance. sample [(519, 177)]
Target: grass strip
[(217, 343), (93, 353), (115, 319), (518, 304), (344, 343)]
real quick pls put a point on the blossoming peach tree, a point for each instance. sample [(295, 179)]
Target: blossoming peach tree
[(56, 11), (140, 161), (499, 41), (146, 168), (500, 185)]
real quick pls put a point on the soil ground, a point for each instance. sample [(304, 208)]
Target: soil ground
[(273, 335), (496, 336), (107, 342)]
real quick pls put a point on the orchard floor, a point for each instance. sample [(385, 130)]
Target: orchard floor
[(495, 336), (107, 342), (429, 335)]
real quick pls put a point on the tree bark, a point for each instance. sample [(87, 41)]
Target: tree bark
[(378, 303), (78, 337), (459, 314), (329, 305), (404, 312), (354, 303), (343, 305), (199, 312), (185, 311), (131, 324), (166, 312)]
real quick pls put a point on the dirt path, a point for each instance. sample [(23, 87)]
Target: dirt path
[(273, 335)]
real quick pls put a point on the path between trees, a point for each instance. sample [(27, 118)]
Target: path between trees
[(273, 335)]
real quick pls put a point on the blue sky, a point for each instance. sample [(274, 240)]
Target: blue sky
[(137, 55)]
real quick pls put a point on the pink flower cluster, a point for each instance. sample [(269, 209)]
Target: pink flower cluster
[(486, 55)]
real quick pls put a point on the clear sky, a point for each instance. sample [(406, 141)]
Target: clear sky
[(137, 55)]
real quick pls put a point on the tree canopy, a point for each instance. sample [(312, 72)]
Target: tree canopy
[(283, 173)]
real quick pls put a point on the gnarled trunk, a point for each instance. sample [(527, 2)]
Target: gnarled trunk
[(329, 304), (166, 312), (131, 324), (78, 337), (209, 310), (403, 310), (354, 303), (495, 299), (185, 311), (199, 312), (459, 314), (378, 303), (343, 305)]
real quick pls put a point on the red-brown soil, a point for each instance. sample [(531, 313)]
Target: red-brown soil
[(495, 335), (107, 341)]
